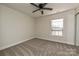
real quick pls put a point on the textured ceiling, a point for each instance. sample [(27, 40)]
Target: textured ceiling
[(28, 8)]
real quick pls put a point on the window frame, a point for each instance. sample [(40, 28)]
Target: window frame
[(57, 30)]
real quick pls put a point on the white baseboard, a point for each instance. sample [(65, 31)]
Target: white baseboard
[(56, 41), (7, 46)]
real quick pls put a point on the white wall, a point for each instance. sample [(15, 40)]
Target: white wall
[(43, 28), (15, 27)]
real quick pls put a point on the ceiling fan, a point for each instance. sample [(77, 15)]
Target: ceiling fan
[(41, 7)]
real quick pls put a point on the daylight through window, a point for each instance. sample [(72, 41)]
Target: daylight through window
[(57, 27)]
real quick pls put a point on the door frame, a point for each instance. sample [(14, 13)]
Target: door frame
[(75, 39)]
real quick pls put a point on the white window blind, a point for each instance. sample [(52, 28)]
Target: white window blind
[(57, 27)]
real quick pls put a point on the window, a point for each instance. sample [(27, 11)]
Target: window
[(57, 27)]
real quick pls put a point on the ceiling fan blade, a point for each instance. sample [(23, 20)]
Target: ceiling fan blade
[(35, 10), (44, 4), (47, 8), (42, 12), (34, 5)]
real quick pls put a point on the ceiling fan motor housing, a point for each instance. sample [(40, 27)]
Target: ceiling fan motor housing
[(40, 6)]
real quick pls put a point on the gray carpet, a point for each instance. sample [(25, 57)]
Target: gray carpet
[(40, 47)]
